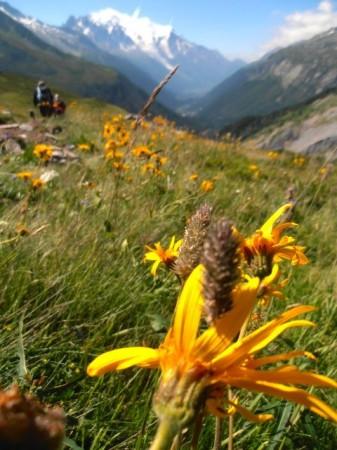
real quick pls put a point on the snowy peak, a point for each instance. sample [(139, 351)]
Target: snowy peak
[(140, 30), (115, 30)]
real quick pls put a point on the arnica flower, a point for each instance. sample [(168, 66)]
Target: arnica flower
[(299, 161), (108, 131), (25, 176), (255, 170), (141, 151), (84, 147), (207, 186), (120, 167), (273, 155), (37, 184), (160, 255), (196, 369), (268, 246), (123, 138), (43, 151), (194, 177), (152, 169)]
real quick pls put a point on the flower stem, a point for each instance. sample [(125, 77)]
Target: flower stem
[(177, 442), (197, 430), (218, 434), (165, 435)]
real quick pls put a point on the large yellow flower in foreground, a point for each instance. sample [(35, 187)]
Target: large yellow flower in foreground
[(268, 241), (197, 367), (159, 255)]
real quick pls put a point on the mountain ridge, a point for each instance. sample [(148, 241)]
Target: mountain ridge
[(288, 76)]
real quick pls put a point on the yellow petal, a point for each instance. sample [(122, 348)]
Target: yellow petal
[(248, 415), (286, 374), (123, 358), (188, 312), (257, 340), (154, 267), (255, 363), (219, 336), (151, 256), (244, 299), (292, 394), (267, 227), (270, 279)]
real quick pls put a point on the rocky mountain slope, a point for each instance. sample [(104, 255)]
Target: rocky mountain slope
[(286, 77), (309, 128)]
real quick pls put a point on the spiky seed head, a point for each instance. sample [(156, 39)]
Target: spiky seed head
[(221, 259), (193, 242)]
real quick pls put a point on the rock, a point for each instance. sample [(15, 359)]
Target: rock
[(279, 140), (10, 146), (322, 146), (26, 127), (62, 155), (49, 175)]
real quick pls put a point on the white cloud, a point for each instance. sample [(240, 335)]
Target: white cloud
[(304, 25)]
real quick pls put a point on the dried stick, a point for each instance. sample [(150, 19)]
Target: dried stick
[(156, 91)]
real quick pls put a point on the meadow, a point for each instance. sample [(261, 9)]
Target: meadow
[(75, 284)]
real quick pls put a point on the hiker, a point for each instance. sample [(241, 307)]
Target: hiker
[(59, 106), (43, 98)]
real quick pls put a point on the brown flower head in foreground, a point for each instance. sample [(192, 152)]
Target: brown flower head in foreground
[(193, 242), (27, 424)]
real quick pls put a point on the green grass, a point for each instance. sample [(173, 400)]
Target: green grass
[(80, 287)]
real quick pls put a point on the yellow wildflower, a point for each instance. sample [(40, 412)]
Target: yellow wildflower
[(299, 161), (268, 242), (207, 186), (119, 166), (108, 131), (159, 255), (141, 151), (84, 147), (273, 155), (43, 151), (25, 176), (198, 368), (255, 170), (37, 183), (194, 177), (151, 168)]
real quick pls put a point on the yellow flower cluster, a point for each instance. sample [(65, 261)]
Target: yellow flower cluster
[(198, 364), (35, 182)]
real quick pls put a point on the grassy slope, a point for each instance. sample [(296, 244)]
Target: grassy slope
[(80, 285)]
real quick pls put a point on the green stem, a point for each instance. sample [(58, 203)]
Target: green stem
[(165, 435)]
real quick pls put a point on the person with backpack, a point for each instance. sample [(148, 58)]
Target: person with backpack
[(43, 98), (59, 106)]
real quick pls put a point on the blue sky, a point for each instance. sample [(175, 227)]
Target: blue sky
[(236, 27)]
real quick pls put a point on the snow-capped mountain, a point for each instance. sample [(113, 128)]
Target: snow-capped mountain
[(141, 49), (156, 48)]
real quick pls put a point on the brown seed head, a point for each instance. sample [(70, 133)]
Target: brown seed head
[(26, 424), (221, 259), (193, 242)]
